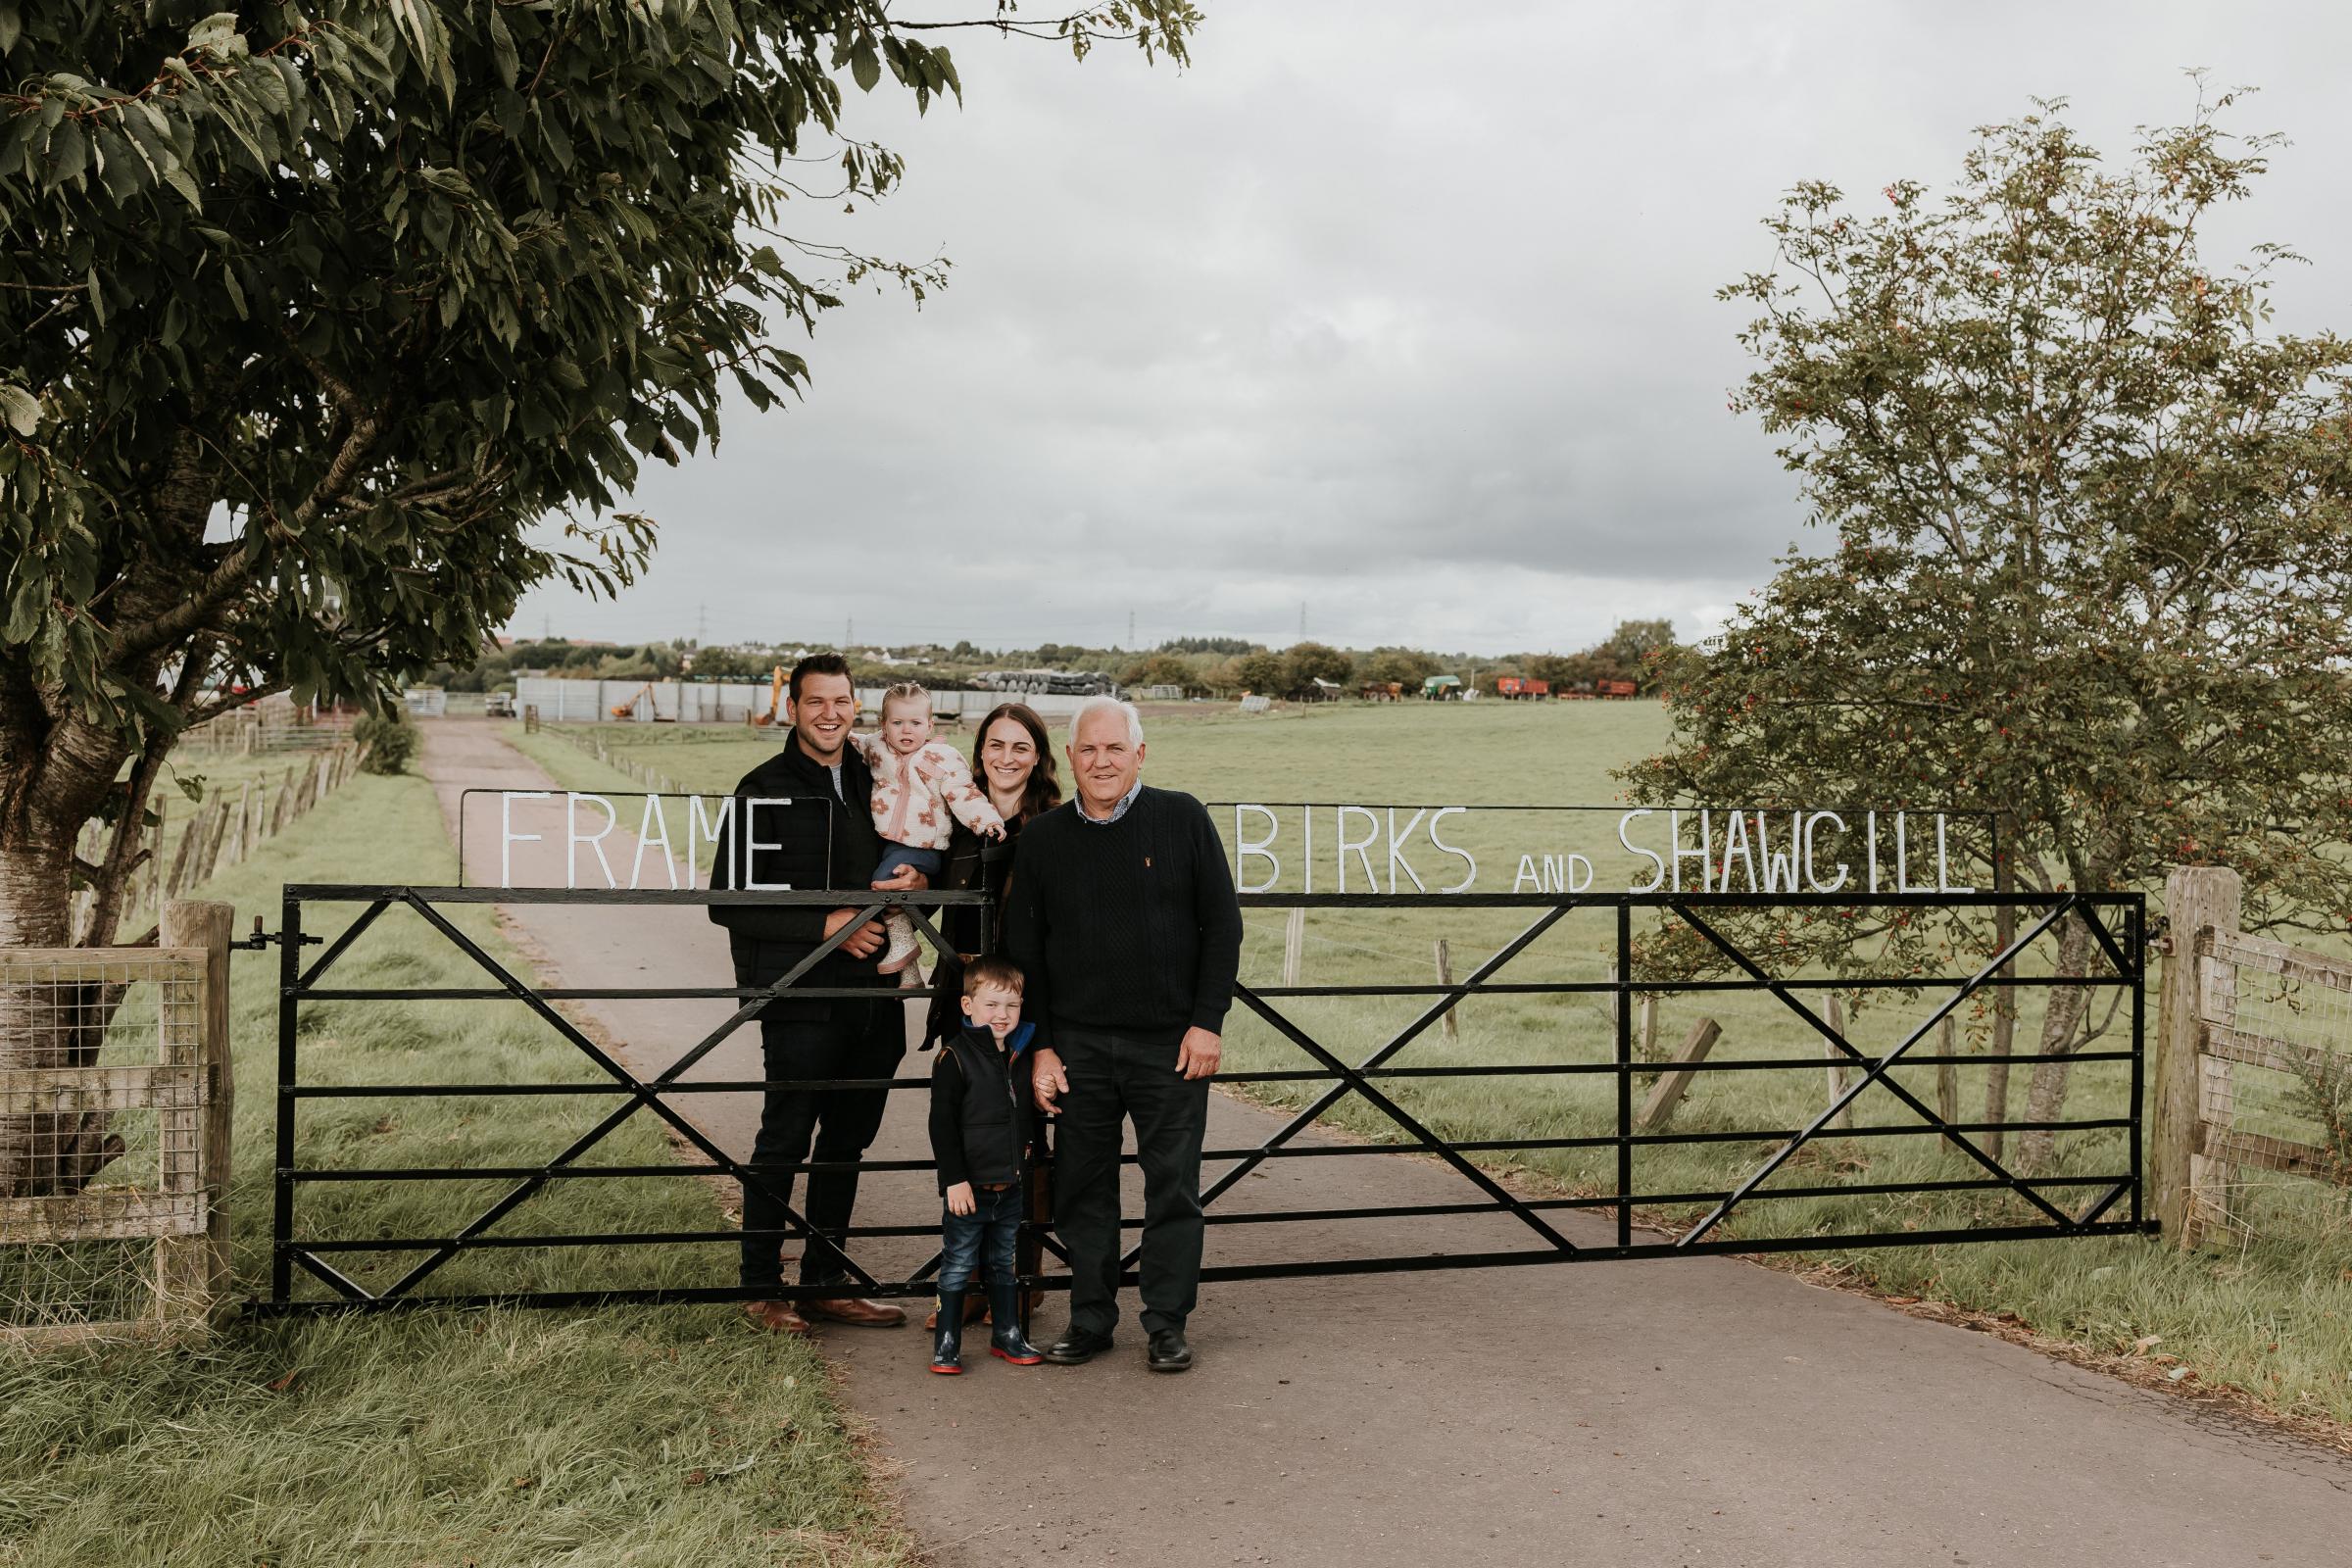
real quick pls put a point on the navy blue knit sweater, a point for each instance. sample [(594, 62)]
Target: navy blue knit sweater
[(1128, 927)]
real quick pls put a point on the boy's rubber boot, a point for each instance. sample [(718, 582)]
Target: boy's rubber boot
[(1005, 1339), (903, 948), (947, 1344)]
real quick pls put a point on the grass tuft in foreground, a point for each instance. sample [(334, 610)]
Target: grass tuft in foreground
[(487, 1438)]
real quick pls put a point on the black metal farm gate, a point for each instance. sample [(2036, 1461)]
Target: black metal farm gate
[(2045, 1206)]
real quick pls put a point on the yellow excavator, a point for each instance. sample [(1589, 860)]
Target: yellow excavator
[(775, 702), (643, 694)]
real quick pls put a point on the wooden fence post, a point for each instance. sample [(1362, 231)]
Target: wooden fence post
[(236, 851), (1835, 1071), (155, 856), (1948, 1075), (1658, 1109), (2198, 901), (192, 1271), (1293, 946), (1453, 1030)]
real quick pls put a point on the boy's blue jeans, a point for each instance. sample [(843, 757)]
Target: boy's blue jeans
[(986, 1234)]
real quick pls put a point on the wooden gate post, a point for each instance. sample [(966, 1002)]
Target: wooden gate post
[(192, 1271), (2198, 900)]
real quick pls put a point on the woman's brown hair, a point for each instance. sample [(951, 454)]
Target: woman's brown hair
[(1044, 791)]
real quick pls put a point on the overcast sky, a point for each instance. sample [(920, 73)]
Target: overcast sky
[(1400, 313)]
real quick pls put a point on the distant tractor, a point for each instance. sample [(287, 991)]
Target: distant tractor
[(1441, 689), (1382, 691), (1521, 688)]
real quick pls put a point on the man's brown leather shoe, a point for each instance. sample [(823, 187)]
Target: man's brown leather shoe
[(851, 1309), (775, 1317)]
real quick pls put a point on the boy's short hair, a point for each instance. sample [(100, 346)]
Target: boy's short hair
[(991, 970), (906, 691)]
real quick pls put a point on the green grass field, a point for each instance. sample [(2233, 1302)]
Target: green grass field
[(2273, 1317), (483, 1438)]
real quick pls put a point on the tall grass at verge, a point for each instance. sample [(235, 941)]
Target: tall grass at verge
[(487, 1438)]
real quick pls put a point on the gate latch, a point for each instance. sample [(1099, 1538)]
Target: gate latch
[(260, 940)]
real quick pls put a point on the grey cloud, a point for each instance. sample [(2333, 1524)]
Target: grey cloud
[(1407, 317)]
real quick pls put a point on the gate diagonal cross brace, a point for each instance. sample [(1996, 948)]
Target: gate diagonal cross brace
[(1353, 1079), (342, 944), (1875, 1071), (642, 1093)]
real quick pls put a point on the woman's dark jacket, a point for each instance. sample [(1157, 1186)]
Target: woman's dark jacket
[(975, 862), (980, 1114), (972, 862)]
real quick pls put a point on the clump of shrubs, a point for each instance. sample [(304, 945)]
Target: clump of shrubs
[(387, 741)]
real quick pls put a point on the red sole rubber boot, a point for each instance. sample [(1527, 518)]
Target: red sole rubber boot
[(1017, 1361), (946, 1371)]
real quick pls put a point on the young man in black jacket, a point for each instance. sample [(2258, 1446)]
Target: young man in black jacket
[(823, 837), (1121, 915)]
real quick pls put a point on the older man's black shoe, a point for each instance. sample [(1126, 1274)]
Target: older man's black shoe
[(1077, 1348), (1168, 1353)]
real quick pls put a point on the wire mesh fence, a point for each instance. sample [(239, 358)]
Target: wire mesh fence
[(109, 1078), (2273, 1090)]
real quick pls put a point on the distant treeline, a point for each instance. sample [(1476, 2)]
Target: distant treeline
[(1638, 651)]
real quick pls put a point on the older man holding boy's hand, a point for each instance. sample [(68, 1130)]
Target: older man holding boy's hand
[(1121, 913)]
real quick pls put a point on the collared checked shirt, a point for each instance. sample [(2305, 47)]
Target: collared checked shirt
[(1116, 812)]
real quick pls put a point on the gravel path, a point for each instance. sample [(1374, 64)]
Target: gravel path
[(1698, 1412)]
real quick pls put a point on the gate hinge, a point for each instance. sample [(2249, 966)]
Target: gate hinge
[(260, 940)]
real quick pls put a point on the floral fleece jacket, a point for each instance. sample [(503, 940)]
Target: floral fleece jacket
[(914, 794)]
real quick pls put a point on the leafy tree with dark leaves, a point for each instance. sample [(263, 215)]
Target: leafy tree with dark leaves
[(2090, 535), (310, 311)]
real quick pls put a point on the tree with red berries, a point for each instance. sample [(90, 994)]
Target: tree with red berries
[(2090, 545)]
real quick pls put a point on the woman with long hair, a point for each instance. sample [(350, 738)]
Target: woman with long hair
[(1012, 758)]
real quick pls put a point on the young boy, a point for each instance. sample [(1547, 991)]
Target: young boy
[(980, 1136), (918, 783)]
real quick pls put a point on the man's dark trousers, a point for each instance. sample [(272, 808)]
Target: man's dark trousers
[(856, 1040), (1112, 1077)]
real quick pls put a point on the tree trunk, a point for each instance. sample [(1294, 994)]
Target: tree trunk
[(2004, 1034), (53, 784), (2061, 1036)]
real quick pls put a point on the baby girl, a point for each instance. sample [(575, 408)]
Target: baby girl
[(917, 782)]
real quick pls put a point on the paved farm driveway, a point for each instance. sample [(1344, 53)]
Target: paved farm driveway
[(1694, 1412)]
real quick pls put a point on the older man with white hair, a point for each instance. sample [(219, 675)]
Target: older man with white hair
[(1121, 914)]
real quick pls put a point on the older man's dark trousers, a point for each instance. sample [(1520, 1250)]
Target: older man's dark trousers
[(858, 1040), (1114, 1079)]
